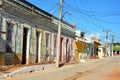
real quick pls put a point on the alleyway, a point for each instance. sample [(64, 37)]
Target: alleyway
[(102, 69)]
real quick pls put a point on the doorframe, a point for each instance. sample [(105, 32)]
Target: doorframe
[(67, 47), (28, 42), (39, 46), (61, 48)]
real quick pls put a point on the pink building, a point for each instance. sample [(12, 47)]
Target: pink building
[(66, 42)]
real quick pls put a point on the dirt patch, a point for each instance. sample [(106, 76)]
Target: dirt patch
[(8, 69), (78, 75), (115, 75)]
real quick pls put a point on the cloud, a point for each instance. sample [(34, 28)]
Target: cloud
[(97, 36), (89, 37), (107, 40)]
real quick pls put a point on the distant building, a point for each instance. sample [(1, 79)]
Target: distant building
[(96, 46), (85, 46), (101, 51), (80, 46)]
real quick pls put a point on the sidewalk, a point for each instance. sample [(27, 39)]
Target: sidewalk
[(24, 69)]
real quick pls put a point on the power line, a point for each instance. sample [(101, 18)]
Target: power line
[(90, 10), (92, 17), (54, 6), (78, 11), (100, 26), (87, 21)]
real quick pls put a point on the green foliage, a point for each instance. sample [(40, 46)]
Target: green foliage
[(116, 46)]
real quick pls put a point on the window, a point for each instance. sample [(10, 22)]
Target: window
[(9, 31), (47, 40), (47, 44), (0, 22), (55, 41)]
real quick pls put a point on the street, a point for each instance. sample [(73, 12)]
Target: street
[(106, 71), (99, 69), (59, 40)]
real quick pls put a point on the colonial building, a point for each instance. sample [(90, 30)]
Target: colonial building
[(66, 40), (80, 46), (80, 49), (28, 35)]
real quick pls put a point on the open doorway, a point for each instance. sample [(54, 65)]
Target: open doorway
[(24, 50), (67, 51), (61, 49)]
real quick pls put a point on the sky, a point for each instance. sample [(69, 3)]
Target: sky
[(91, 16)]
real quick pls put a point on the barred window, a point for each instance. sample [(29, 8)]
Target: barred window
[(47, 41), (47, 44), (9, 31), (55, 41), (0, 22)]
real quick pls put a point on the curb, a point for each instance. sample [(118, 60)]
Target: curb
[(28, 70)]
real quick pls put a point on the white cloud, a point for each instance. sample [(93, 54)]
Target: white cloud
[(89, 36), (97, 36), (109, 41), (94, 36)]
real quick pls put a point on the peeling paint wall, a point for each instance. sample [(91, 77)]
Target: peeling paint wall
[(20, 17), (2, 40), (19, 35), (16, 41)]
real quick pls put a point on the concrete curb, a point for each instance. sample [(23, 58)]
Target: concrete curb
[(2, 77), (28, 70)]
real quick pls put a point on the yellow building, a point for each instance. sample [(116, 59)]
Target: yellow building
[(80, 48)]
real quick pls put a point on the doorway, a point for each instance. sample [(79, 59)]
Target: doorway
[(67, 51), (61, 49), (24, 50)]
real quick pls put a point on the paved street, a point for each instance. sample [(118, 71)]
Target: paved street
[(102, 69)]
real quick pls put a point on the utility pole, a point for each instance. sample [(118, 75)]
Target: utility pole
[(112, 44), (107, 31), (58, 36)]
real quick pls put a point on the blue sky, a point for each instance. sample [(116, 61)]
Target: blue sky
[(91, 16)]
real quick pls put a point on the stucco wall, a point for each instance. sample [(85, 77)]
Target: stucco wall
[(22, 17)]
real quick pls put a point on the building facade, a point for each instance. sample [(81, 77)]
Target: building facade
[(80, 48), (28, 35), (66, 41), (85, 46)]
